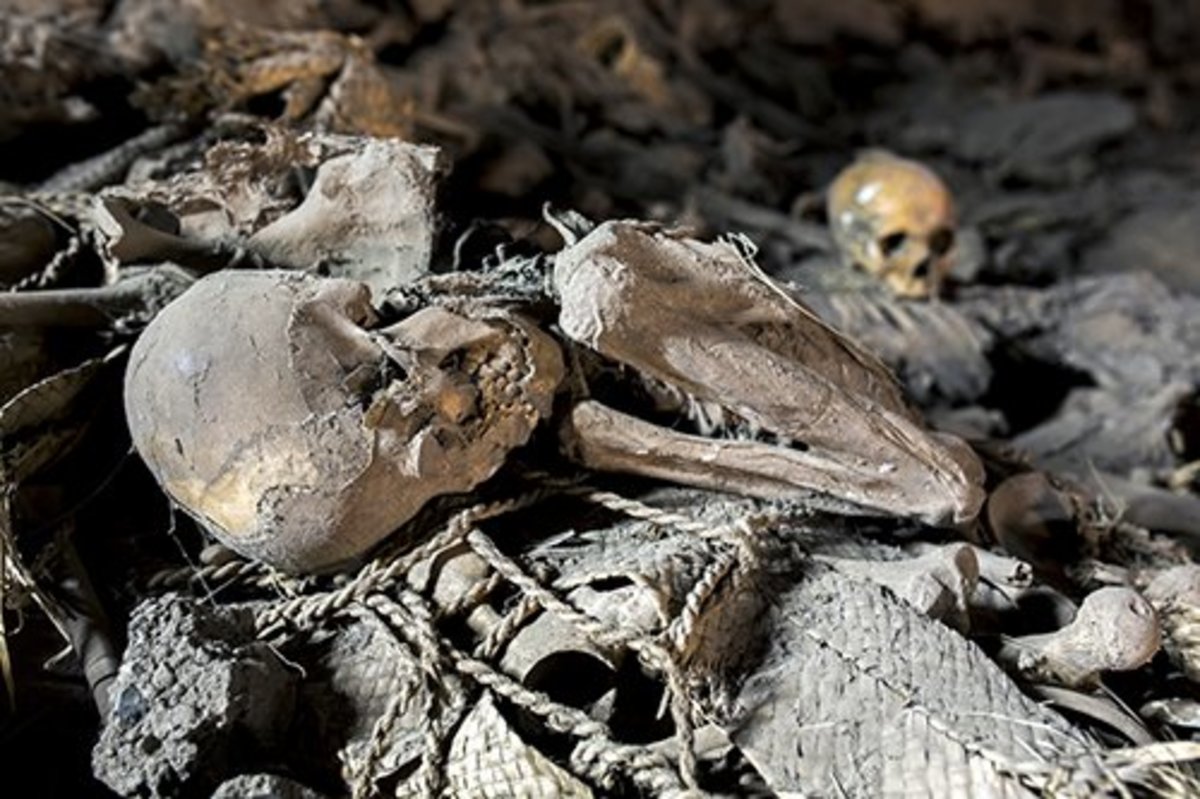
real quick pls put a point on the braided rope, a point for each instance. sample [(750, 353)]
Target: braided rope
[(380, 573), (654, 654), (597, 630), (415, 623), (427, 779), (473, 596), (645, 767), (362, 778), (682, 628), (602, 757), (597, 756), (244, 572), (636, 509), (508, 626)]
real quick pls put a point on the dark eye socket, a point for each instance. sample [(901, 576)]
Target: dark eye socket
[(891, 243), (453, 362), (941, 240)]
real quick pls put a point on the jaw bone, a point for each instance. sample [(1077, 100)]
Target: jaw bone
[(701, 318)]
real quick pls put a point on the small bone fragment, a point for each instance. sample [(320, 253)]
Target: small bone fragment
[(1115, 630), (1176, 711), (128, 239), (1000, 570), (700, 318), (996, 608), (993, 567), (551, 655), (939, 583), (447, 576), (541, 652), (1034, 520), (368, 216), (1175, 594), (633, 607)]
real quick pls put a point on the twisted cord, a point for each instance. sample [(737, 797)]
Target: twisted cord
[(604, 757), (654, 654), (235, 572), (507, 627), (473, 596), (383, 732), (683, 627), (535, 591), (742, 559), (414, 622), (639, 510), (380, 573)]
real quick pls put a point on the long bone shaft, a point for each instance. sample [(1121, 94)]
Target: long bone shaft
[(698, 317)]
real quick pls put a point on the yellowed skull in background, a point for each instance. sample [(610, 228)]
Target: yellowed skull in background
[(894, 218)]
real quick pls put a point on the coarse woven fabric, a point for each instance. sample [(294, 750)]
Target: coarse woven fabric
[(860, 695), (487, 759), (366, 667)]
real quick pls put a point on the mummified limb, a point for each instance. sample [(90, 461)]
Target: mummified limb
[(704, 320)]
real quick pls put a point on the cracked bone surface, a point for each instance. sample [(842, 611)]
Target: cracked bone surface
[(296, 436), (698, 317), (1114, 630)]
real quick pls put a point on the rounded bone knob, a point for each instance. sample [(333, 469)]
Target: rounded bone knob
[(1114, 630)]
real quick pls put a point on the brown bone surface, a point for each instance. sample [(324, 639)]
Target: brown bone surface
[(298, 437), (697, 317)]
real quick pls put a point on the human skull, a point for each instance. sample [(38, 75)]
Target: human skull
[(266, 409), (894, 218)]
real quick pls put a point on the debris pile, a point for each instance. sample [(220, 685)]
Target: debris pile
[(624, 399)]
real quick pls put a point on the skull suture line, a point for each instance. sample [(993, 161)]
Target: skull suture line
[(296, 436), (896, 219)]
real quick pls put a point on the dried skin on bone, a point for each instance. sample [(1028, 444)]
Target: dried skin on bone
[(267, 411), (696, 316)]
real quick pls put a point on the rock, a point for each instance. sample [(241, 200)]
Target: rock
[(196, 699), (264, 786)]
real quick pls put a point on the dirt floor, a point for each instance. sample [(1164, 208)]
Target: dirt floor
[(685, 472)]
